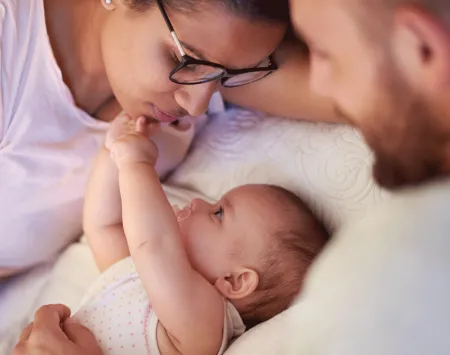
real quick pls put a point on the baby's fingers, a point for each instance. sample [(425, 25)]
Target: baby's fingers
[(141, 124), (146, 126), (117, 128)]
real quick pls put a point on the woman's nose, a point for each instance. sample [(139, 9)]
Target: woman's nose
[(195, 98)]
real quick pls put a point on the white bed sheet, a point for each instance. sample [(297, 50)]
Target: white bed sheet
[(328, 165)]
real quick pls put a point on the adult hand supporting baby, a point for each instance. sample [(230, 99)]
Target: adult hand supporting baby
[(53, 333)]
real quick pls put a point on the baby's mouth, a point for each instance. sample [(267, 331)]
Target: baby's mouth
[(183, 213)]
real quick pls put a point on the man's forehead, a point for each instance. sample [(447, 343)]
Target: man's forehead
[(314, 17), (308, 12), (302, 7)]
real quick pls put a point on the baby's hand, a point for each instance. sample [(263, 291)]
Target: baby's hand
[(133, 145), (124, 124)]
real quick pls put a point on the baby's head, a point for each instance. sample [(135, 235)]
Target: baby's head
[(254, 245)]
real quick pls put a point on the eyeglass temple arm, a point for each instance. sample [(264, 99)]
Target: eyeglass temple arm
[(169, 25)]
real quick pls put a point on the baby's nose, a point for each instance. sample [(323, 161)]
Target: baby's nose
[(198, 204), (194, 204)]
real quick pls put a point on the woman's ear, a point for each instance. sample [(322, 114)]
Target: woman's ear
[(238, 284), (109, 4)]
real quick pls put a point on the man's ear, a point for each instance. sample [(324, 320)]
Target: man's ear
[(421, 48), (238, 284)]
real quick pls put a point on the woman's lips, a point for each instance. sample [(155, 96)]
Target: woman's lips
[(163, 116)]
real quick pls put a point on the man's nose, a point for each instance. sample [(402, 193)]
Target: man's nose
[(319, 79)]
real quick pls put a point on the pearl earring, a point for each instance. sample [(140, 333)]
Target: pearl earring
[(108, 2)]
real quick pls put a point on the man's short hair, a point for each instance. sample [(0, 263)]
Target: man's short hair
[(378, 14)]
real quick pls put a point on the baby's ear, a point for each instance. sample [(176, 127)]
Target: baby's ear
[(238, 284)]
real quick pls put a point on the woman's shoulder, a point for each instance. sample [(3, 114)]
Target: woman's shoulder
[(20, 13), (21, 22), (22, 28), (24, 50)]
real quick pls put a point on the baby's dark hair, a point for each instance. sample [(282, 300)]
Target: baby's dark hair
[(297, 239), (257, 10)]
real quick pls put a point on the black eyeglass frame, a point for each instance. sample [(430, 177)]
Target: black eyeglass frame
[(226, 74)]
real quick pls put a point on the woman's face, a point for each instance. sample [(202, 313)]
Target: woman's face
[(139, 54)]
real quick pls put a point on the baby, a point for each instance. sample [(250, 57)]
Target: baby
[(197, 277)]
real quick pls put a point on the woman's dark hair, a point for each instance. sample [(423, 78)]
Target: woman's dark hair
[(258, 10)]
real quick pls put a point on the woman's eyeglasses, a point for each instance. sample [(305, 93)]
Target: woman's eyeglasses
[(191, 71)]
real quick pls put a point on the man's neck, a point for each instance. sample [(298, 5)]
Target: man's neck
[(74, 28)]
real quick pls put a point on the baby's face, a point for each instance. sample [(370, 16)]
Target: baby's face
[(228, 234)]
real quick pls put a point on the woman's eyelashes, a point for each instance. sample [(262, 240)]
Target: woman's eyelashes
[(176, 58), (219, 214)]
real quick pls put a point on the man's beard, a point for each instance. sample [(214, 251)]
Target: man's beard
[(415, 153), (408, 142)]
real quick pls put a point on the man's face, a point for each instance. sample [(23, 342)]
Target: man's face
[(362, 76)]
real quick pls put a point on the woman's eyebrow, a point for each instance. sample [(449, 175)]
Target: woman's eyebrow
[(192, 49), (200, 56)]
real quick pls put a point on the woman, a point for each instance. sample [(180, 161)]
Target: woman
[(68, 67)]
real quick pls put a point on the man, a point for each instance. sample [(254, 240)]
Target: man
[(382, 287), (386, 66)]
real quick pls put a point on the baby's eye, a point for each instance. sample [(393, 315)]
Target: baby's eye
[(219, 214)]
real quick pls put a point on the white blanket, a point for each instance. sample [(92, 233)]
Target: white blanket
[(328, 165)]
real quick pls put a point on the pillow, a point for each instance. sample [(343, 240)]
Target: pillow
[(328, 165)]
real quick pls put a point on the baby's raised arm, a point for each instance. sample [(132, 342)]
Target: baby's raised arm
[(102, 215), (189, 308)]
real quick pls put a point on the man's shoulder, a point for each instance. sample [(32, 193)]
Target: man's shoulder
[(427, 202), (413, 220), (436, 192), (382, 281), (424, 206)]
